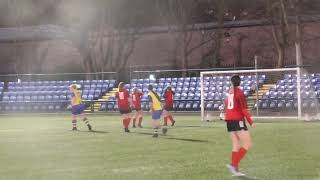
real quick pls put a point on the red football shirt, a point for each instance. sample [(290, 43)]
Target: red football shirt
[(236, 106), (136, 100), (123, 99), (168, 97)]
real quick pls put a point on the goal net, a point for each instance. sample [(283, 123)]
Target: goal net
[(270, 93)]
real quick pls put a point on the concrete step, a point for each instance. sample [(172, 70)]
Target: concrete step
[(264, 89)]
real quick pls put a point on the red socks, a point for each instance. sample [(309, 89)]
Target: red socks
[(171, 118), (126, 123), (165, 121), (140, 120), (134, 121), (242, 152), (234, 159), (237, 157)]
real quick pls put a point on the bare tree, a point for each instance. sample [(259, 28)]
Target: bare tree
[(180, 17), (105, 47), (279, 26)]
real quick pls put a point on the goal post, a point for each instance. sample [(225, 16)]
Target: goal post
[(271, 93)]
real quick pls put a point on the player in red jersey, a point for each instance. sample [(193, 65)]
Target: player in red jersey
[(168, 97), (236, 113), (136, 106), (123, 100)]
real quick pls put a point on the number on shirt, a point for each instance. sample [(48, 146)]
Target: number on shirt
[(134, 97), (121, 95), (230, 101)]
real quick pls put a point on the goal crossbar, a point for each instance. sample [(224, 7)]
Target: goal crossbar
[(249, 71)]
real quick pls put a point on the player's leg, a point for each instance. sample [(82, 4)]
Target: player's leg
[(156, 115), (165, 119), (233, 127), (246, 143), (140, 115), (128, 118), (134, 119), (83, 116), (125, 122), (235, 149), (74, 112), (74, 122), (235, 154), (85, 120), (155, 126), (171, 119)]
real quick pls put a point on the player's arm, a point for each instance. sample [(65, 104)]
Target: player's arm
[(73, 99), (117, 96), (150, 103), (164, 95), (129, 98), (243, 106)]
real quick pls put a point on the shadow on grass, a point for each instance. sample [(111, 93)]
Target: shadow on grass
[(142, 133), (190, 126), (245, 178), (188, 140), (198, 126), (172, 138), (93, 131)]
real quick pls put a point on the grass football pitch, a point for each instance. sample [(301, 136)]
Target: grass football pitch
[(44, 148)]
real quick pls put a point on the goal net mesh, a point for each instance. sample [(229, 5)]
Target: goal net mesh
[(270, 93)]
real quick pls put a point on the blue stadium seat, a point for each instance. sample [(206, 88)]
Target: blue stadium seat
[(188, 106), (48, 98), (51, 107), (55, 98), (20, 98), (13, 98), (209, 106), (182, 105), (58, 107), (196, 106), (90, 97)]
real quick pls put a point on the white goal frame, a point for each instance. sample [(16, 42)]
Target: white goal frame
[(297, 70)]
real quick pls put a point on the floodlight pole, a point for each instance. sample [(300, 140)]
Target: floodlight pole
[(257, 84)]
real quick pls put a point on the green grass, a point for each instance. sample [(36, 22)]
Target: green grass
[(44, 148)]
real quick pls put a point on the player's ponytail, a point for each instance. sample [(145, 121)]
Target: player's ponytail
[(235, 80), (120, 87)]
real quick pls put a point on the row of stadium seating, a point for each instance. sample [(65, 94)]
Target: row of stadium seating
[(60, 83), (287, 88), (33, 107), (283, 96), (280, 105), (47, 91)]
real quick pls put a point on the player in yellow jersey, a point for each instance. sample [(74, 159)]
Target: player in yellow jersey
[(156, 111), (77, 108)]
